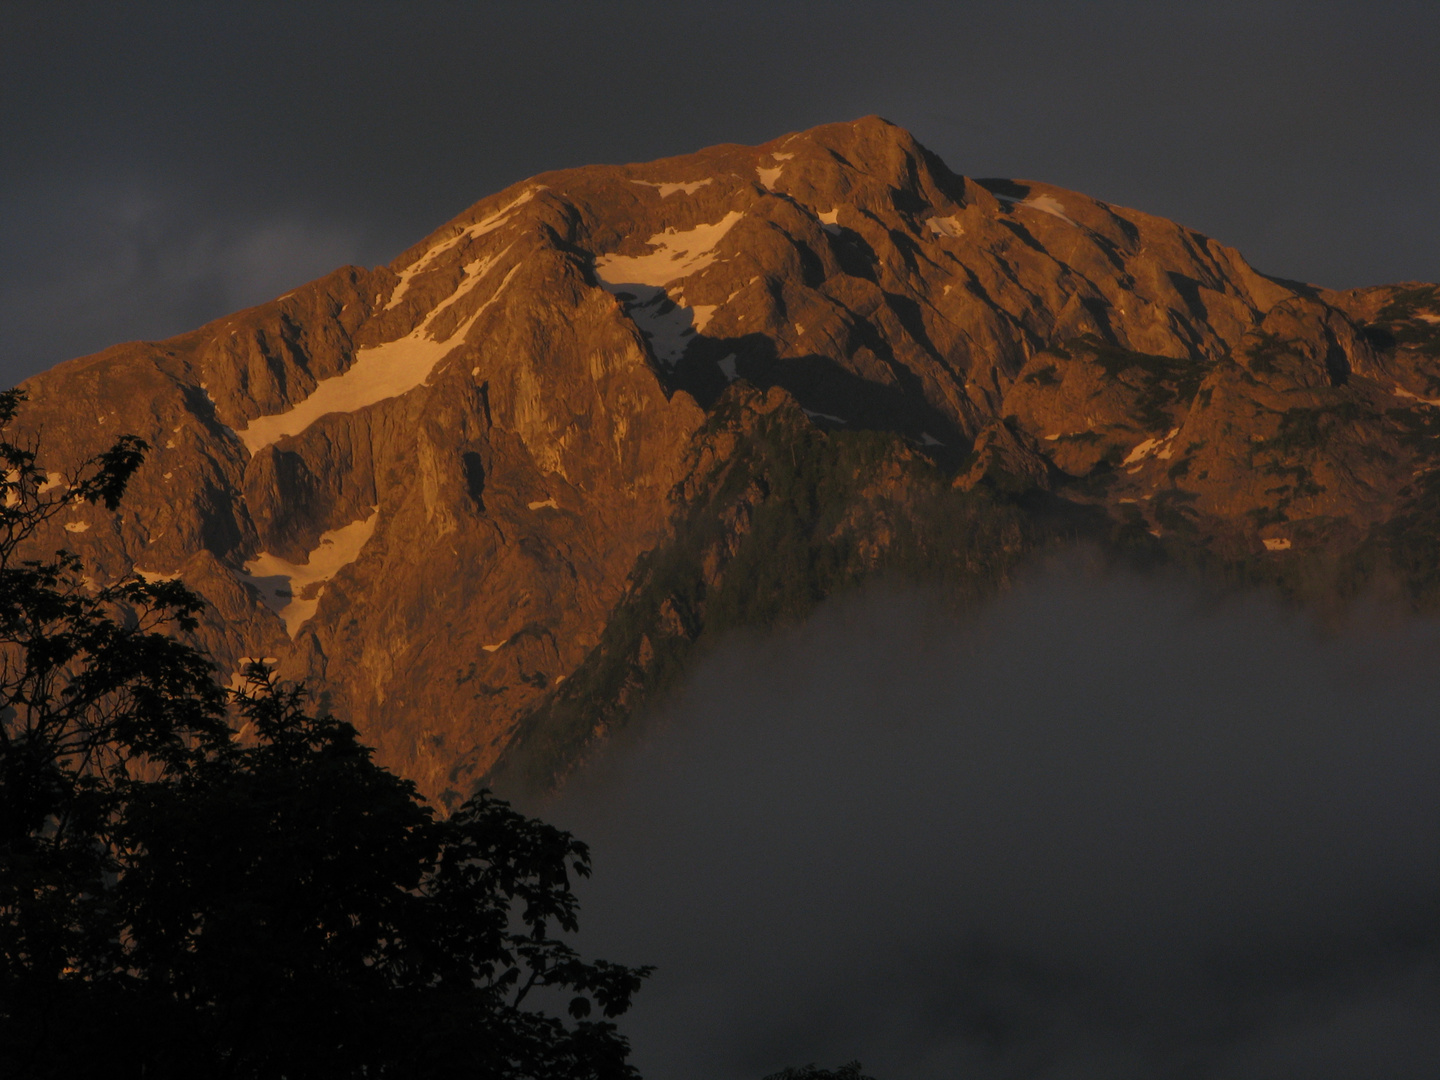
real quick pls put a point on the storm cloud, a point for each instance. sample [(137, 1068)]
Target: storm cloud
[(1106, 827)]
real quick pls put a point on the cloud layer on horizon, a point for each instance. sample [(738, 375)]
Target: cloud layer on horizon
[(1104, 828)]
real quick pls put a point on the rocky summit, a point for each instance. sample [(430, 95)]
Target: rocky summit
[(489, 499)]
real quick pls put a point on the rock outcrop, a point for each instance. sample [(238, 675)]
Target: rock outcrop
[(489, 497)]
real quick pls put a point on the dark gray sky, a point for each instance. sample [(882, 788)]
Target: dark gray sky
[(163, 164)]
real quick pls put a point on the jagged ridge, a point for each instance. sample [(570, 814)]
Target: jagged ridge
[(439, 489)]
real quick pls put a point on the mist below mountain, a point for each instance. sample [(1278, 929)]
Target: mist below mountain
[(1107, 826), (488, 499)]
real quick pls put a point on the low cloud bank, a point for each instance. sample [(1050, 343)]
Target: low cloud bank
[(1104, 828)]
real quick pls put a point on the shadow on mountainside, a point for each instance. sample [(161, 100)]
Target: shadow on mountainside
[(831, 395)]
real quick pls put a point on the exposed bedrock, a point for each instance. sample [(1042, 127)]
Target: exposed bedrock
[(507, 483)]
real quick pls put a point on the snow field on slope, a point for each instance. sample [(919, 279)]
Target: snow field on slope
[(666, 190), (676, 255), (380, 372), (480, 228), (667, 323), (1046, 204), (293, 590)]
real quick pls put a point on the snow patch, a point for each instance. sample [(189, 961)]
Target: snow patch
[(497, 645), (666, 190), (543, 503), (77, 526), (1141, 451), (1400, 391), (1280, 544), (480, 228), (293, 590), (813, 415), (379, 372), (52, 480), (727, 368), (926, 439), (769, 176), (152, 576), (1046, 204), (945, 226), (830, 221), (1148, 447), (640, 280), (475, 270), (781, 157), (676, 255)]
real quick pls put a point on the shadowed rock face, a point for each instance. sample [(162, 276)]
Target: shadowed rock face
[(611, 410)]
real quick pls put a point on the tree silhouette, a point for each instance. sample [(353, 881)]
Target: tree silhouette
[(179, 900)]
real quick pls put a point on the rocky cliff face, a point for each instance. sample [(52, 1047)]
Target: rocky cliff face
[(489, 497)]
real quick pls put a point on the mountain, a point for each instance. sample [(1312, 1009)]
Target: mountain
[(490, 498)]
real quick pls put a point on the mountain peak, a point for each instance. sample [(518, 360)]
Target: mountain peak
[(448, 491)]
